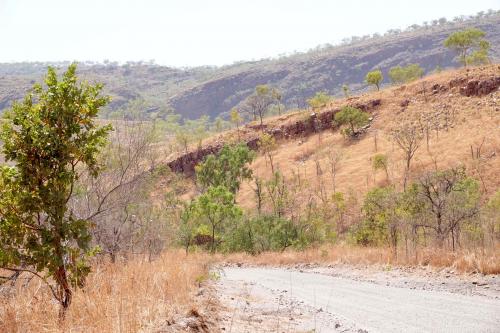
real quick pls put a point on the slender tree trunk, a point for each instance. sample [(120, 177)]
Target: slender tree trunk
[(213, 238)]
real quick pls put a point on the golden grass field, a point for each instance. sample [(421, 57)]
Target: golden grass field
[(131, 296)]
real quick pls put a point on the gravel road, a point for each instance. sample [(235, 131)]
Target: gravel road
[(289, 300)]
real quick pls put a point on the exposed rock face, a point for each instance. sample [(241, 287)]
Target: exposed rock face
[(315, 122), (480, 87)]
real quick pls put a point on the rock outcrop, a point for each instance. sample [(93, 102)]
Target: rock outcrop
[(480, 87), (313, 123)]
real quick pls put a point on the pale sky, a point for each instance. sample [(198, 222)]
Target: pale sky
[(201, 32)]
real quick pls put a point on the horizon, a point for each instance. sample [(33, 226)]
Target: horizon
[(231, 52)]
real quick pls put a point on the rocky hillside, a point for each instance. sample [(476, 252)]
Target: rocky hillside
[(478, 87), (213, 91)]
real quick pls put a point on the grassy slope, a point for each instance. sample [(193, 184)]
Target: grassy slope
[(472, 120)]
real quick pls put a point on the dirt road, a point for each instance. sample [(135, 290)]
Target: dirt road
[(289, 300)]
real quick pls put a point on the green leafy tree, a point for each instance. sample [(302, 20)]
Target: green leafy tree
[(480, 56), (491, 217), (399, 75), (319, 100), (374, 78), (229, 168), (187, 225), (49, 137), (278, 97), (450, 199), (268, 145), (259, 102), (236, 119), (465, 41), (346, 90), (380, 162), (216, 207), (352, 117), (381, 210)]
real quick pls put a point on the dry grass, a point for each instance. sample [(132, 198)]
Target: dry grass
[(123, 297), (486, 262)]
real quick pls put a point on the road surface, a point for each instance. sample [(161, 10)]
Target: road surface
[(287, 300)]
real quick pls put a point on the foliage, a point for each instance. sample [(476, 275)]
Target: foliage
[(352, 117), (480, 56), (267, 144), (406, 74), (236, 119), (49, 137), (465, 41), (319, 100), (346, 90), (381, 210), (261, 100), (374, 78), (262, 233), (450, 198), (229, 168), (216, 207), (491, 216), (380, 162)]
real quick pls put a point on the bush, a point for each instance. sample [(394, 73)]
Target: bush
[(400, 75)]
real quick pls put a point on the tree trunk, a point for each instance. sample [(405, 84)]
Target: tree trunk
[(213, 239), (65, 293)]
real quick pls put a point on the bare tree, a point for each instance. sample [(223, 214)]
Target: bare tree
[(408, 137), (334, 158), (114, 201)]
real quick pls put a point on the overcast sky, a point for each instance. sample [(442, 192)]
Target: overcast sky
[(201, 32)]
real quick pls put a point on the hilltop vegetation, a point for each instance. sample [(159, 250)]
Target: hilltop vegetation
[(153, 91)]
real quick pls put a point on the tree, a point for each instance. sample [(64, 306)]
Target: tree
[(408, 137), (267, 145), (480, 56), (346, 90), (187, 225), (462, 42), (381, 210), (50, 137), (278, 96), (451, 198), (334, 159), (375, 78), (491, 217), (380, 162), (406, 74), (229, 168), (216, 206), (236, 119), (260, 101), (319, 100), (352, 117), (117, 201)]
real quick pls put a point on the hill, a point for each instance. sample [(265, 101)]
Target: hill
[(213, 91), (460, 109)]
